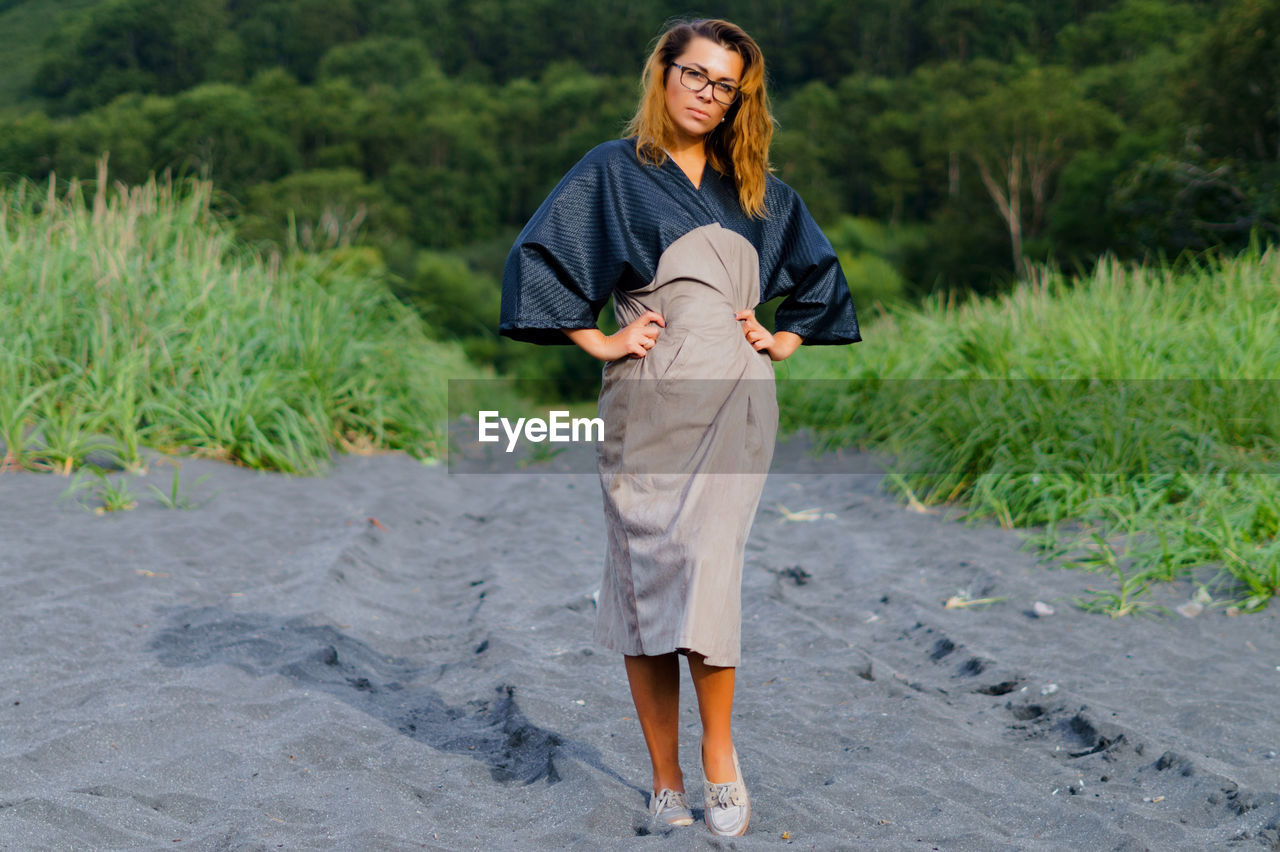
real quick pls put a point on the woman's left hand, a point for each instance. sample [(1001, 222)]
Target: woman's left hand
[(757, 335), (779, 346)]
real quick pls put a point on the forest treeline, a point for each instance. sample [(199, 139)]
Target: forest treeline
[(941, 143)]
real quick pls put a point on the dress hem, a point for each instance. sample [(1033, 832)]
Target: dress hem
[(683, 650)]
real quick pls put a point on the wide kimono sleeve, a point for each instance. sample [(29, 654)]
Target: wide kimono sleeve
[(803, 267), (569, 257)]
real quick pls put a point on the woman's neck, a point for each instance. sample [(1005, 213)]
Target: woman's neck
[(692, 160), (685, 147)]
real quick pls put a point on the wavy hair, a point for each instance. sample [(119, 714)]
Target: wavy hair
[(740, 146)]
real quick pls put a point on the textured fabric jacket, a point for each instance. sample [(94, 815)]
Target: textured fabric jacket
[(608, 222)]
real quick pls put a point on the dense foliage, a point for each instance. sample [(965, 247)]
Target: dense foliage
[(1128, 416), (945, 144), (135, 320)]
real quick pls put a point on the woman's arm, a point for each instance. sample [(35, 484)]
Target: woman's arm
[(636, 338), (780, 346)]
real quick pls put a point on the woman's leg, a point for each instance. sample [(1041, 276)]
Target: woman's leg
[(714, 685), (655, 688)]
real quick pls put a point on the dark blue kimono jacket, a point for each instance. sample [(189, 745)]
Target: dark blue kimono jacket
[(608, 221)]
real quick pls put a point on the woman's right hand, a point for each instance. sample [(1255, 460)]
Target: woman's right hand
[(636, 338)]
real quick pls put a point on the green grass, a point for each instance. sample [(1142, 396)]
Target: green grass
[(177, 498), (134, 319), (1130, 419), (114, 496)]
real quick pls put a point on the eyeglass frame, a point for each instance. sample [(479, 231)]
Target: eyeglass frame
[(685, 69)]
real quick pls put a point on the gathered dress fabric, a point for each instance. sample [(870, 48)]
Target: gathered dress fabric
[(690, 427)]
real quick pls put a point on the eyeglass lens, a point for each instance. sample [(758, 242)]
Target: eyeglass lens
[(695, 80)]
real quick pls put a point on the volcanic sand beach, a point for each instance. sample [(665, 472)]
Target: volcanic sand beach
[(396, 657)]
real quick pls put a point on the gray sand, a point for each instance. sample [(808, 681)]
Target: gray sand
[(393, 657)]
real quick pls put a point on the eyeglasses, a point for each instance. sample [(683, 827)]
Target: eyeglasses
[(695, 81)]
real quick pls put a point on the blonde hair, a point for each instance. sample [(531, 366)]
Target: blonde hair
[(740, 146)]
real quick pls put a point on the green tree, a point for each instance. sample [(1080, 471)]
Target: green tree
[(1213, 181), (545, 125), (131, 46), (320, 121), (1019, 137), (322, 209), (126, 128), (1127, 31), (27, 145), (378, 60), (295, 34), (221, 131), (453, 297), (446, 170), (1234, 90), (819, 149), (965, 29)]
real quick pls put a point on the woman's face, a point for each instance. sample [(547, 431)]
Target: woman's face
[(697, 113)]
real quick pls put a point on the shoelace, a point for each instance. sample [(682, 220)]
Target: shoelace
[(726, 795), (667, 800)]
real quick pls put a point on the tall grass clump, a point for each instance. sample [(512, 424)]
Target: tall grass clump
[(1131, 415), (136, 320)]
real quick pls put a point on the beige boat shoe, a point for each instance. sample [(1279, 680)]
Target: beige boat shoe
[(670, 807), (728, 807)]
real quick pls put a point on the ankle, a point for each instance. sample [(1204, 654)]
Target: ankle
[(668, 781), (717, 746), (717, 761)]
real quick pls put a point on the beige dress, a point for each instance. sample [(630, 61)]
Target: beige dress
[(689, 435)]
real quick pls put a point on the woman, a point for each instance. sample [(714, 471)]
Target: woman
[(682, 223)]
